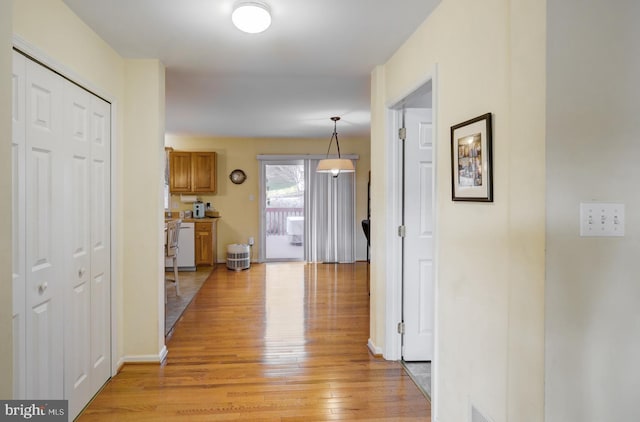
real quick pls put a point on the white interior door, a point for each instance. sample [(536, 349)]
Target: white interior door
[(418, 262), (44, 234)]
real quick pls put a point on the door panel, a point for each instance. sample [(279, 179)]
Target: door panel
[(100, 243), (44, 331), (418, 296), (99, 331), (426, 200), (78, 187), (44, 368), (77, 358), (43, 233), (79, 191)]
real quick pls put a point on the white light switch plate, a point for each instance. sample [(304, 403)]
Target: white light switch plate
[(601, 219)]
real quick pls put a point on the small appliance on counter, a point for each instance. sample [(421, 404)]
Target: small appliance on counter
[(210, 211), (198, 209)]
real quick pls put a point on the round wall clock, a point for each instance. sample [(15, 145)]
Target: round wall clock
[(237, 176)]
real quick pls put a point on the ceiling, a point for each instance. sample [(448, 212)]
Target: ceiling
[(314, 61)]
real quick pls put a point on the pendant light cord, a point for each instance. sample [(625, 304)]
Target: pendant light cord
[(334, 135)]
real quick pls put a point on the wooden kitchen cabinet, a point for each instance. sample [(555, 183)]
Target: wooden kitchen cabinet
[(206, 242), (179, 171), (203, 174), (192, 172)]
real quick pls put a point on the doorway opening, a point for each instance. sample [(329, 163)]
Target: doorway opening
[(413, 152), (284, 216)]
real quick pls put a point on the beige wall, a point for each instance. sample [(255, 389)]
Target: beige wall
[(143, 161), (593, 288), (240, 214), (490, 58), (6, 349), (379, 199)]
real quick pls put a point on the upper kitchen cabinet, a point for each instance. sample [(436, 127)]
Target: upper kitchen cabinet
[(179, 171), (203, 175), (192, 172)]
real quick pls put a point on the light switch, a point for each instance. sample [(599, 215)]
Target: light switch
[(601, 219)]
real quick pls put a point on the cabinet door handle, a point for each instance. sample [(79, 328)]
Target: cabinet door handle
[(81, 272), (42, 287)]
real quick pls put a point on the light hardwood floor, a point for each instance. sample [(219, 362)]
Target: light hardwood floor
[(278, 342)]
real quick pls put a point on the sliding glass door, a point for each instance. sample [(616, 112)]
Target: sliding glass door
[(284, 210), (305, 215)]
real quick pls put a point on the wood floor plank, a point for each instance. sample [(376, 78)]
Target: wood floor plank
[(281, 342)]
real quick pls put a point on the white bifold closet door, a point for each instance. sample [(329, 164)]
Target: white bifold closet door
[(61, 243)]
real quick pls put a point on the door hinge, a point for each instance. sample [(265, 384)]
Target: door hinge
[(401, 328), (402, 133), (402, 231)]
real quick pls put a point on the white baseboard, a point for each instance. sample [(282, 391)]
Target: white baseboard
[(375, 350), (118, 367), (163, 353), (147, 358)]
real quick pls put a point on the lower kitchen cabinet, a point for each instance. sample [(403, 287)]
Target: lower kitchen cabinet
[(206, 242)]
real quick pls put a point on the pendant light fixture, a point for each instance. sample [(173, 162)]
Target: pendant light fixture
[(252, 17), (335, 166)]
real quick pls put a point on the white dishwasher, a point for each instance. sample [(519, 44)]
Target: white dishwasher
[(186, 249)]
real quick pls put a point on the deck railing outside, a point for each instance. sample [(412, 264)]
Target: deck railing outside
[(276, 219)]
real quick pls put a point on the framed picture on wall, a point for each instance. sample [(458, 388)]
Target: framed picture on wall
[(471, 160)]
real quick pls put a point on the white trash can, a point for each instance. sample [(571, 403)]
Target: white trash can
[(238, 257)]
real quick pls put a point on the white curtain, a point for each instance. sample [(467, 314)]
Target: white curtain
[(330, 211)]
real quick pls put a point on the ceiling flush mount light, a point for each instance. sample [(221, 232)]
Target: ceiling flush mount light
[(335, 166), (251, 16)]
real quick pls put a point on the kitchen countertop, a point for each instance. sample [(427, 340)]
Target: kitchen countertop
[(192, 220), (174, 215)]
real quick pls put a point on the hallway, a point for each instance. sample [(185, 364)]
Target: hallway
[(277, 342)]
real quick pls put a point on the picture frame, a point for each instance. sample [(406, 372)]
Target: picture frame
[(471, 160)]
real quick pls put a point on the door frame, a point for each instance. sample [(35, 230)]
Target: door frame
[(67, 73), (393, 288)]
